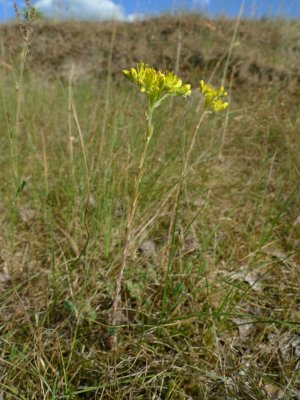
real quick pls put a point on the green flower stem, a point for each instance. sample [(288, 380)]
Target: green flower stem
[(128, 233), (172, 226)]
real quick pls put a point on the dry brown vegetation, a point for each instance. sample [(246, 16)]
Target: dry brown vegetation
[(229, 328), (265, 51)]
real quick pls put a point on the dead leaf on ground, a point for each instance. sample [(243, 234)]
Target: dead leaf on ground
[(288, 345), (280, 256), (244, 326), (148, 250), (4, 274), (253, 278), (27, 214), (274, 392), (4, 277), (297, 221), (191, 243)]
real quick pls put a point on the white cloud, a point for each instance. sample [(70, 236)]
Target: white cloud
[(81, 9), (135, 17), (201, 3)]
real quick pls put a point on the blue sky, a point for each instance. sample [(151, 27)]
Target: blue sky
[(130, 9)]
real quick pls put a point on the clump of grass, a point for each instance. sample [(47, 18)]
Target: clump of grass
[(55, 313)]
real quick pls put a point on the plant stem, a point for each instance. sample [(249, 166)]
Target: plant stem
[(128, 232), (172, 226)]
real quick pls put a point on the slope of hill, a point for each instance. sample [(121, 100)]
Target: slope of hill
[(263, 51)]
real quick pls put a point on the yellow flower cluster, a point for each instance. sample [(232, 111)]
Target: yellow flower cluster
[(156, 84), (212, 97)]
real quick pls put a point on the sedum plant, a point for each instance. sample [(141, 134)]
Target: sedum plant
[(157, 86), (213, 97)]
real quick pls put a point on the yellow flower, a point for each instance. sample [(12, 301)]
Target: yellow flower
[(156, 84), (212, 97)]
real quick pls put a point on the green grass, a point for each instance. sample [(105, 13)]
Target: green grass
[(234, 258)]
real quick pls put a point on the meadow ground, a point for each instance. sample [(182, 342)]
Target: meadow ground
[(225, 323)]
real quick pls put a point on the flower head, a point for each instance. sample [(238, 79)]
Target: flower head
[(213, 97), (156, 84)]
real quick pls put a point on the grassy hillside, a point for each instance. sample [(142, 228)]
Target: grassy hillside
[(71, 137), (263, 51)]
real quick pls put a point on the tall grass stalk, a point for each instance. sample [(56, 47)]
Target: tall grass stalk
[(86, 167), (70, 116), (26, 32), (225, 71)]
